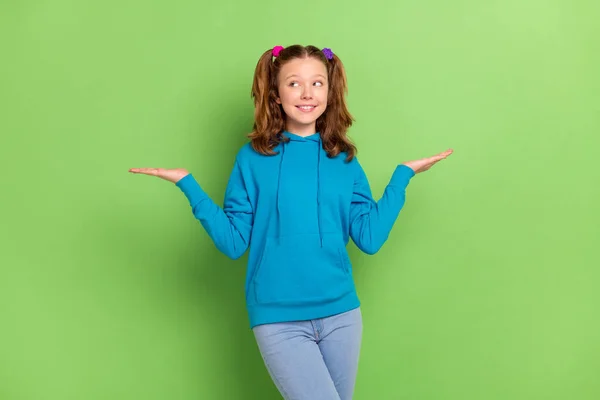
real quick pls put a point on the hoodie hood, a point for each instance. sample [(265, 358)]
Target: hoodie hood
[(316, 151)]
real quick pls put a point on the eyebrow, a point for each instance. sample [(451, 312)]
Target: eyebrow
[(290, 76)]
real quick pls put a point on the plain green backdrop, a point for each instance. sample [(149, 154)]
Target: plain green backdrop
[(487, 288)]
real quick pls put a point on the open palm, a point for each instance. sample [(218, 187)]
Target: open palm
[(171, 175), (425, 163)]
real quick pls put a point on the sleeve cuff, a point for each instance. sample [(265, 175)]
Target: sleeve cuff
[(402, 175), (192, 190)]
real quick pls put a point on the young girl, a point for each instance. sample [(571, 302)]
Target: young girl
[(296, 195)]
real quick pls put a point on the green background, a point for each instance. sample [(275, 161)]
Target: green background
[(487, 288)]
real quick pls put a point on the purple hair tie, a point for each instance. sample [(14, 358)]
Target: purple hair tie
[(277, 50), (328, 53)]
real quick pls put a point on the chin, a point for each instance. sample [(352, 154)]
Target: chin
[(302, 118)]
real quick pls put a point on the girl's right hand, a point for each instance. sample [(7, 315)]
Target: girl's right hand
[(171, 175)]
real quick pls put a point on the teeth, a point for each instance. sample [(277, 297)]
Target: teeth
[(306, 107)]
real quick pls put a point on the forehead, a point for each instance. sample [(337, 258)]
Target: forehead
[(303, 67)]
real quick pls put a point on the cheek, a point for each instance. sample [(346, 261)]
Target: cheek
[(286, 96), (323, 96)]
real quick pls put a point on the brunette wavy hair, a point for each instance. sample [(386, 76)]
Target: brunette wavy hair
[(269, 117)]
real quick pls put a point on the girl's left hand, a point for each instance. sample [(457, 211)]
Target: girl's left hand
[(425, 163)]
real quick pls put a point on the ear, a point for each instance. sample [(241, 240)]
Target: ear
[(278, 100)]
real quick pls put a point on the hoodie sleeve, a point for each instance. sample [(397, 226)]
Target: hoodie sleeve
[(229, 226), (371, 221)]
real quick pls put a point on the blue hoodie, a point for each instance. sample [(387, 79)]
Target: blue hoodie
[(296, 212)]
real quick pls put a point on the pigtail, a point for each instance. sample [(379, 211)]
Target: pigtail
[(334, 123), (268, 119)]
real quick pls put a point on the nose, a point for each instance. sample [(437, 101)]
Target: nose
[(307, 92)]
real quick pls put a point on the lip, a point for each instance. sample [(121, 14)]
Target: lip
[(306, 110)]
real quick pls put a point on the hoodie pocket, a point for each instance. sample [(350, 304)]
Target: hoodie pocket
[(345, 260), (297, 270)]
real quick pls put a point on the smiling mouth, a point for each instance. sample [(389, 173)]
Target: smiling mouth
[(306, 108)]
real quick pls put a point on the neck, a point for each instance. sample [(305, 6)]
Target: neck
[(301, 130)]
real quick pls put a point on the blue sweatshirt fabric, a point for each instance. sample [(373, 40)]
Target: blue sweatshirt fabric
[(295, 212)]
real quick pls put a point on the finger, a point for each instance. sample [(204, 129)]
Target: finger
[(139, 170), (445, 153), (442, 155), (147, 171), (434, 159)]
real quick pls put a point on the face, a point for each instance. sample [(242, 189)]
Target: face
[(303, 89)]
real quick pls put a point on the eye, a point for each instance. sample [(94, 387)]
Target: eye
[(318, 83), (293, 83)]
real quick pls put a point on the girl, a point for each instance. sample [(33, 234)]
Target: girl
[(296, 194)]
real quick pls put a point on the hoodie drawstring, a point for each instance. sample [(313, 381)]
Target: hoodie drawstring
[(318, 190), (278, 187)]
